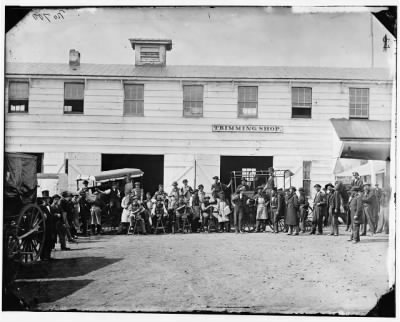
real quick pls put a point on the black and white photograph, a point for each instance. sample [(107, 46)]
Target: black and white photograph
[(226, 161)]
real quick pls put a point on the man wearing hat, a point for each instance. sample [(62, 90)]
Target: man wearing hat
[(370, 202), (51, 233), (319, 203), (137, 191), (239, 202), (173, 199), (160, 192), (201, 192), (330, 206), (270, 185), (186, 191), (357, 181), (303, 209), (194, 205), (218, 188), (356, 211), (292, 205), (243, 184)]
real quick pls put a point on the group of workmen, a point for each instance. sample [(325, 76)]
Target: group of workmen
[(192, 210)]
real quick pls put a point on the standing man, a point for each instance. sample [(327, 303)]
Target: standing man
[(356, 210), (243, 184), (303, 209), (218, 188), (270, 185), (115, 203), (195, 204), (239, 209), (51, 234), (186, 191), (319, 203), (357, 181), (369, 201)]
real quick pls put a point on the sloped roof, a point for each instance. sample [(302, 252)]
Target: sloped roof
[(228, 72), (362, 129)]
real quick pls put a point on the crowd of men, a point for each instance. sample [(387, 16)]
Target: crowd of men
[(192, 210)]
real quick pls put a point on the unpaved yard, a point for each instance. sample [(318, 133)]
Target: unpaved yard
[(258, 273)]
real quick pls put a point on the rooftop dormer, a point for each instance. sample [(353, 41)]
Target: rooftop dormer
[(150, 51)]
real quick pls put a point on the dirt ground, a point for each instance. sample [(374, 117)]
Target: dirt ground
[(257, 273)]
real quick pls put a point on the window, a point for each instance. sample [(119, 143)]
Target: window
[(73, 98), (134, 99), (359, 102), (193, 100), (249, 174), (307, 177), (39, 160), (301, 102), (150, 54), (18, 97), (247, 101)]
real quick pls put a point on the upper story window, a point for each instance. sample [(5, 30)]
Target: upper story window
[(134, 99), (301, 102), (18, 97), (359, 102), (73, 98), (247, 101), (193, 100)]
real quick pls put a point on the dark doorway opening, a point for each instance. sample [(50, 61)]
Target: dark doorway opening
[(151, 165), (239, 163)]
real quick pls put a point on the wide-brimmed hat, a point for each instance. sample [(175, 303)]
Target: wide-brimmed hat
[(317, 185), (215, 177), (329, 185)]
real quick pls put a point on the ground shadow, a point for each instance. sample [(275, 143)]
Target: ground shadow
[(63, 268), (36, 292)]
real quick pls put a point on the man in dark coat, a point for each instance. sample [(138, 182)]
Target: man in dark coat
[(356, 210), (218, 188), (239, 202), (319, 203), (357, 181), (292, 206), (51, 234), (303, 209), (369, 201)]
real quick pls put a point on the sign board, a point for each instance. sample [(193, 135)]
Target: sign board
[(247, 128)]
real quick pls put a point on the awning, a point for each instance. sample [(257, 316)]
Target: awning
[(363, 139)]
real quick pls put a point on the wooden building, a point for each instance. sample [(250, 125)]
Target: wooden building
[(193, 122)]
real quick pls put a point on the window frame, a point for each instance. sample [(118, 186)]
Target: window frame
[(244, 116), (183, 101), (360, 117), (83, 99), (134, 100), (10, 81), (302, 107)]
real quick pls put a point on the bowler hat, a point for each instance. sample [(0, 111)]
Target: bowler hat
[(174, 183), (56, 196), (66, 194), (45, 194), (317, 185), (184, 180), (215, 178)]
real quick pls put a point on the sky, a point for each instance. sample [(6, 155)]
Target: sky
[(245, 36)]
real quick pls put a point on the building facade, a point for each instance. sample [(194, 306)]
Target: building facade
[(192, 122)]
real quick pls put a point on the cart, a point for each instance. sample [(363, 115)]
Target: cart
[(23, 221), (256, 178), (102, 181)]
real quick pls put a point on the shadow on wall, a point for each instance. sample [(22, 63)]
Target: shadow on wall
[(64, 268)]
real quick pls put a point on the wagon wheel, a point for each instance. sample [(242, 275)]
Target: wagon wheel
[(30, 233)]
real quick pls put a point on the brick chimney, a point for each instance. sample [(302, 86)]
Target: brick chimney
[(150, 51), (74, 59)]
